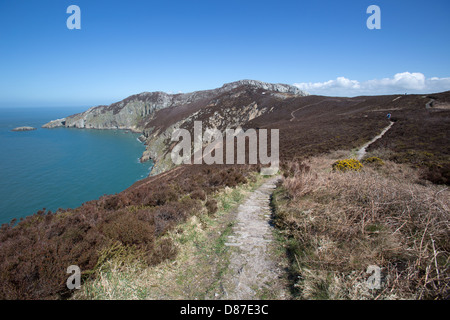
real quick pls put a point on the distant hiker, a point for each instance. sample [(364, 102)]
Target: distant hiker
[(388, 116)]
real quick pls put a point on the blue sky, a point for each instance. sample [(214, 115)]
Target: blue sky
[(127, 47)]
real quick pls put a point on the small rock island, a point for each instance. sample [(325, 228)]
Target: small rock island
[(23, 129)]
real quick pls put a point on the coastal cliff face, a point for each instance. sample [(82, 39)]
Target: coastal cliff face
[(159, 144), (157, 114), (126, 114)]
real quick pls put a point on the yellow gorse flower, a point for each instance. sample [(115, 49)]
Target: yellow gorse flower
[(347, 164)]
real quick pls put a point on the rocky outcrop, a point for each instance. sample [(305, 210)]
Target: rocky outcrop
[(55, 123), (157, 114), (23, 129), (278, 87), (133, 112)]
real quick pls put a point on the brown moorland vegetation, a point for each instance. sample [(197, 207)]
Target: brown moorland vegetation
[(337, 223), (420, 137), (313, 125), (35, 252)]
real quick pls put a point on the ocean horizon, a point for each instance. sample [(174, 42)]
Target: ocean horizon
[(61, 167)]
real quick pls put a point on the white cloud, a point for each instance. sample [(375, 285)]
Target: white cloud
[(405, 82)]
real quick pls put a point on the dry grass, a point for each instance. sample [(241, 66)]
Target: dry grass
[(117, 278), (339, 223)]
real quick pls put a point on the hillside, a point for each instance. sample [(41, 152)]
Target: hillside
[(137, 223), (308, 124)]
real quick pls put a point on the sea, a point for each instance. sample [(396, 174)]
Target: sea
[(61, 167)]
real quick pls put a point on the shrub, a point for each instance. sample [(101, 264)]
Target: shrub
[(438, 174), (162, 195), (338, 224), (172, 213), (347, 164), (35, 254), (36, 251), (211, 206), (375, 161), (127, 229), (227, 178), (198, 194), (164, 250), (116, 202), (292, 168)]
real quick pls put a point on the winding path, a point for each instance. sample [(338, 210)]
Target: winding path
[(429, 104), (322, 101), (361, 152), (253, 269), (310, 105)]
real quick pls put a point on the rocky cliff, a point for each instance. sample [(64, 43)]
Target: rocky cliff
[(135, 111), (157, 114)]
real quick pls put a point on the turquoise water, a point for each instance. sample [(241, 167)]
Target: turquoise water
[(61, 168)]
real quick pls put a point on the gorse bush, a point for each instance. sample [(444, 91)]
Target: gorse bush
[(347, 164)]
